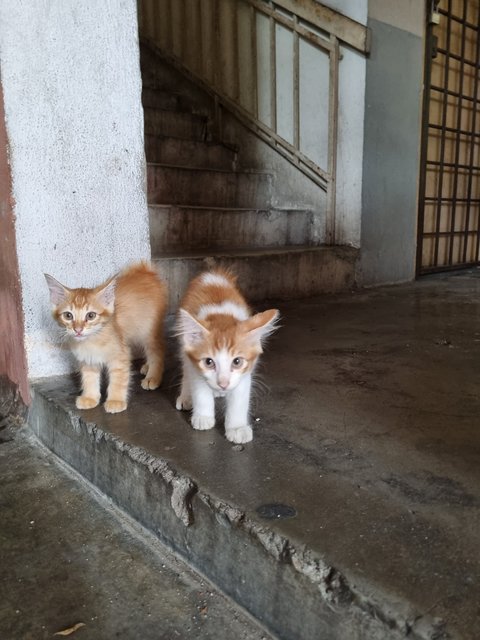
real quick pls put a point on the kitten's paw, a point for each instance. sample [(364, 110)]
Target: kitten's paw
[(239, 435), (115, 406), (151, 383), (84, 402), (183, 404), (203, 422), (144, 369)]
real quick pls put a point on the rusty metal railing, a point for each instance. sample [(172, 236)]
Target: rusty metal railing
[(273, 63)]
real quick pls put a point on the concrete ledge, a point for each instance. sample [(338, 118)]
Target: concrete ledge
[(274, 273), (167, 477)]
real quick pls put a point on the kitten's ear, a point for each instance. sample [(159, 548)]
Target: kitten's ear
[(261, 324), (58, 293), (106, 294), (191, 330)]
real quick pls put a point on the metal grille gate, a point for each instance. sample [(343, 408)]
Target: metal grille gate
[(449, 195)]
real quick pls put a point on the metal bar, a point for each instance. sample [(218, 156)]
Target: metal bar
[(430, 234), (472, 145), (449, 92), (442, 141), (456, 56), (450, 165), (463, 132), (451, 200), (454, 18), (429, 42), (457, 141)]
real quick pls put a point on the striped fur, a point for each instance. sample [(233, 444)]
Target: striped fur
[(102, 324)]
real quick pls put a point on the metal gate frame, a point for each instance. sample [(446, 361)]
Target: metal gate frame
[(443, 9)]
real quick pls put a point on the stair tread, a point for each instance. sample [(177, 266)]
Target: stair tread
[(253, 172), (220, 209), (254, 251), (181, 112), (207, 143)]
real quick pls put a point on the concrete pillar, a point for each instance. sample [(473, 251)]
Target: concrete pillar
[(74, 120), (391, 154)]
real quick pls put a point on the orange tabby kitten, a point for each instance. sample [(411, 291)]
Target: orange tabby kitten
[(221, 342), (102, 324)]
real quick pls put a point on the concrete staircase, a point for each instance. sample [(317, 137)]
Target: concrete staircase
[(206, 208)]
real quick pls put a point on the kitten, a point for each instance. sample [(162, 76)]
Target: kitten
[(102, 324), (221, 342)]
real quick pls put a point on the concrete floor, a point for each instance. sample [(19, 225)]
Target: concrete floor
[(367, 429), (68, 559)]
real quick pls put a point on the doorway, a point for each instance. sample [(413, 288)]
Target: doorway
[(449, 196)]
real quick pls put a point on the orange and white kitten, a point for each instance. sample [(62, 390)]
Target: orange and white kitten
[(102, 324), (221, 342)]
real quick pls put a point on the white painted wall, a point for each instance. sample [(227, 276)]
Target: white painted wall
[(408, 15), (355, 9), (72, 88), (391, 156), (351, 114)]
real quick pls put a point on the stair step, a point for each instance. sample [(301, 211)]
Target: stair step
[(177, 124), (156, 73), (160, 75), (78, 545), (176, 228), (168, 184), (193, 153), (277, 273), (162, 99)]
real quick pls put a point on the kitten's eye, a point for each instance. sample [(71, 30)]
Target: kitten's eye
[(67, 315), (209, 363), (91, 315), (237, 362)]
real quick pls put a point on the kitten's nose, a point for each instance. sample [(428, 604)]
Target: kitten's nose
[(223, 384)]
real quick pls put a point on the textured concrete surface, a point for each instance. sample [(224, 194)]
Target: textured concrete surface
[(74, 121), (68, 558), (366, 426), (281, 272)]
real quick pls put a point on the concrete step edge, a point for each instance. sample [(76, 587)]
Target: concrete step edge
[(170, 503), (181, 113), (349, 254), (249, 172), (206, 209), (207, 143)]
